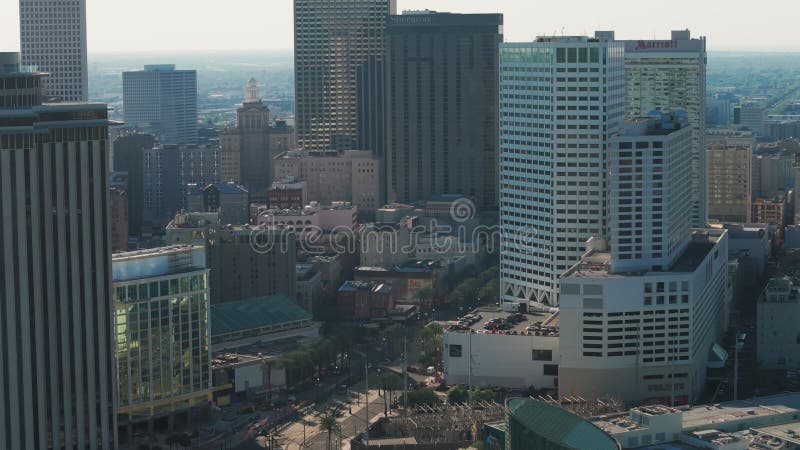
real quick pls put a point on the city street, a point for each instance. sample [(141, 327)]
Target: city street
[(351, 421)]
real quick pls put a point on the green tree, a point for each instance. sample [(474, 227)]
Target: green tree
[(329, 425), (421, 397), (457, 394), (482, 395), (430, 341), (389, 382), (394, 334), (425, 294)]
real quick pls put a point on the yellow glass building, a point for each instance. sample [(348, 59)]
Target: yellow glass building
[(161, 304)]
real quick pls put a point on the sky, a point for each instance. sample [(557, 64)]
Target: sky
[(125, 26)]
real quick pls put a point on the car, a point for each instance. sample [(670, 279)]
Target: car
[(386, 361), (411, 369)]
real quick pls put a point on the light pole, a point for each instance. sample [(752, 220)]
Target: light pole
[(739, 346), (366, 397)]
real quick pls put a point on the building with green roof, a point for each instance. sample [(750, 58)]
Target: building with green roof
[(537, 425), (260, 318)]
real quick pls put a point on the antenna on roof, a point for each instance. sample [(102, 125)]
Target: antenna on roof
[(562, 31)]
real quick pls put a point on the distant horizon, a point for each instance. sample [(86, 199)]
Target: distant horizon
[(258, 25)]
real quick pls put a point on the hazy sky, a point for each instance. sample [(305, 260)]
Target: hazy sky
[(163, 25)]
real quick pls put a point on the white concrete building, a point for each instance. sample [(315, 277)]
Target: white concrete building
[(515, 358), (671, 75), (338, 216), (59, 50), (650, 163), (639, 320), (778, 313), (757, 423), (561, 100)]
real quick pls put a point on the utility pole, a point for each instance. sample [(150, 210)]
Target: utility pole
[(469, 369), (405, 377), (739, 345)]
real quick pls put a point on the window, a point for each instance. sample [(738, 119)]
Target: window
[(542, 355), (455, 351), (551, 369)]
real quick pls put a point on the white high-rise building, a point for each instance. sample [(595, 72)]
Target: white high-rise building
[(561, 100), (53, 38), (671, 75), (643, 319), (650, 167)]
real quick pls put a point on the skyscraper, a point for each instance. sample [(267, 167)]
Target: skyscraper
[(332, 41), (53, 38), (164, 99), (247, 150), (671, 75), (561, 100), (441, 106), (56, 362), (641, 320)]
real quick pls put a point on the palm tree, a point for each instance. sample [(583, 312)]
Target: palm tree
[(424, 294), (266, 366), (328, 424)]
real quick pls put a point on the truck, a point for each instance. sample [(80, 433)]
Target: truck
[(510, 306)]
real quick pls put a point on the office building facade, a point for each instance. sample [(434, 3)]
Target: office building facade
[(671, 75), (248, 262), (441, 106), (57, 375), (60, 50), (642, 320), (248, 149), (333, 39), (162, 99), (729, 182), (351, 176), (169, 172), (561, 100), (161, 319)]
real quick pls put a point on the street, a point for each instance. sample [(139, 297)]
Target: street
[(352, 423)]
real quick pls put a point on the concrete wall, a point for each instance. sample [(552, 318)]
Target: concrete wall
[(499, 360)]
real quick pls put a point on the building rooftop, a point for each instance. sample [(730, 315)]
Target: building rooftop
[(597, 262), (535, 324), (557, 425), (789, 433), (259, 312), (704, 415), (151, 252)]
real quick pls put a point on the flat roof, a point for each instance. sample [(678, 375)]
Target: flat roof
[(788, 432), (766, 406), (254, 313), (157, 251), (548, 323)]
